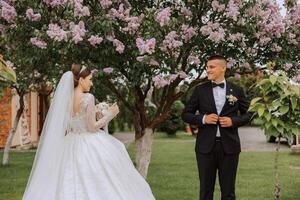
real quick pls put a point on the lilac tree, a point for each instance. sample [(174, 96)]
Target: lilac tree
[(149, 53)]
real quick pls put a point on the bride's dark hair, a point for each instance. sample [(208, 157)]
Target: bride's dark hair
[(76, 69)]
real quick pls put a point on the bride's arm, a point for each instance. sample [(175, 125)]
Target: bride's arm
[(92, 124)]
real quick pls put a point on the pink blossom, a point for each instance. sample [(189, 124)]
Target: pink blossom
[(237, 76), (241, 22), (140, 58), (38, 42), (232, 10), (78, 31), (188, 32), (263, 41), (292, 39), (245, 65), (206, 30), (9, 1), (95, 40), (193, 60), (171, 42), (133, 23), (297, 77), (108, 70), (153, 62), (119, 45), (121, 13), (186, 12), (8, 12), (54, 3), (105, 3), (160, 82), (271, 23), (147, 46), (293, 16), (217, 36), (163, 17), (2, 29), (217, 6), (252, 51), (276, 48), (64, 24), (80, 10), (56, 33), (214, 32), (231, 62), (182, 75), (173, 77), (31, 16), (236, 37), (288, 66)]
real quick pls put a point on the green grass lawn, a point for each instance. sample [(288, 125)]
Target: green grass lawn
[(173, 173)]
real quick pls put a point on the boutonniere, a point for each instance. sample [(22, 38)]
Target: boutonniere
[(231, 99)]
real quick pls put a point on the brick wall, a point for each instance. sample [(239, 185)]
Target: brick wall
[(5, 116)]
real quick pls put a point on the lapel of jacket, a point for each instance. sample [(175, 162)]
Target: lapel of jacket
[(228, 92), (211, 98)]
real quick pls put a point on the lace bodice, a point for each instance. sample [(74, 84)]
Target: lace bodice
[(85, 119)]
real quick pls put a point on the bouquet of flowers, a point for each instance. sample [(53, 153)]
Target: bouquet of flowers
[(101, 108)]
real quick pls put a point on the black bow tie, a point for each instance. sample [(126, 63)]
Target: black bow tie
[(222, 85)]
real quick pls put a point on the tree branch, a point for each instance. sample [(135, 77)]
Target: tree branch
[(111, 86)]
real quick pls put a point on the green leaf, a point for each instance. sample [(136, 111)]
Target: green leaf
[(272, 131), (268, 125), (268, 116), (283, 110), (258, 121), (260, 111), (295, 131), (264, 82), (280, 129), (255, 100), (273, 79), (274, 122), (294, 102)]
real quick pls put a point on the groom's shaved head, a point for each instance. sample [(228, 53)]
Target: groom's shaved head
[(216, 67), (217, 57)]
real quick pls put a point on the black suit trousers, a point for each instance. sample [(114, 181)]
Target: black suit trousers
[(217, 161)]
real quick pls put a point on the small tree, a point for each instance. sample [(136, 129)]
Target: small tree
[(277, 111)]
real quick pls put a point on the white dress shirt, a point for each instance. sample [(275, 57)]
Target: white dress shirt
[(220, 98)]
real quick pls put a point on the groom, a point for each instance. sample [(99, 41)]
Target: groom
[(222, 108)]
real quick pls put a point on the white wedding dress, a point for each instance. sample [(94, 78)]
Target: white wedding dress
[(85, 162), (96, 166)]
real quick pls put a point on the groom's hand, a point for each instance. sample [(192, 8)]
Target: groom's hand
[(225, 122), (211, 119)]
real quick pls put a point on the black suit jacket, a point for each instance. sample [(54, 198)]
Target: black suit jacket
[(202, 100)]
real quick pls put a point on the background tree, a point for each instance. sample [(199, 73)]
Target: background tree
[(277, 111)]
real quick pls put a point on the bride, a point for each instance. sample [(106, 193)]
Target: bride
[(76, 158)]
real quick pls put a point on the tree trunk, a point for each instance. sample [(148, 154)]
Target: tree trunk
[(12, 132), (277, 183), (144, 151)]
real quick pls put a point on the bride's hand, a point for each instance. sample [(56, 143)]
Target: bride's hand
[(114, 109)]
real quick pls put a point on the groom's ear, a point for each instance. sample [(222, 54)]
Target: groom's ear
[(223, 65)]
